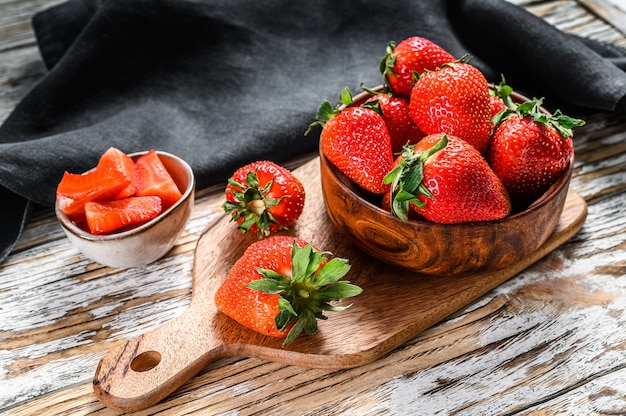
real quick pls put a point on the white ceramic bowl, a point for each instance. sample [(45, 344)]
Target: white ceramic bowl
[(148, 242)]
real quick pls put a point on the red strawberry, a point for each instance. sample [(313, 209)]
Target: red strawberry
[(530, 150), (264, 197), (116, 159), (357, 142), (75, 190), (500, 96), (454, 100), (447, 181), (109, 216), (400, 126), (154, 179), (411, 57), (497, 105), (281, 285)]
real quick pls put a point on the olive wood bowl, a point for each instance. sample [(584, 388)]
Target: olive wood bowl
[(439, 249)]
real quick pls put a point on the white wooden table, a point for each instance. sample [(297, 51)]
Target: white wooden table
[(552, 340)]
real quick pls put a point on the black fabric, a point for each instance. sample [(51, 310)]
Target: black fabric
[(223, 83)]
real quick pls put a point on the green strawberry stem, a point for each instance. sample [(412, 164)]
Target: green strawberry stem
[(387, 64), (558, 121), (326, 111), (406, 179), (308, 292), (252, 205), (503, 91)]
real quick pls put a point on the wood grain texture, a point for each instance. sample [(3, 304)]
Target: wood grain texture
[(549, 341), (143, 371)]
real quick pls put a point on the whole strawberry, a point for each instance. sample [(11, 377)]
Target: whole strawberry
[(411, 57), (444, 179), (281, 285), (395, 112), (356, 141), (264, 197), (454, 99), (530, 150)]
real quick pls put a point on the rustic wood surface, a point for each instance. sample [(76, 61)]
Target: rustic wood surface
[(366, 331), (550, 340)]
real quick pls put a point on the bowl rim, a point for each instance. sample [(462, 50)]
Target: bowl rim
[(545, 198), (85, 235), (550, 193)]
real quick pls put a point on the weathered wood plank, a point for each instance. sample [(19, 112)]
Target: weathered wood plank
[(550, 341)]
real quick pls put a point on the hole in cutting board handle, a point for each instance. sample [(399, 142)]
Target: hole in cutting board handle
[(145, 361)]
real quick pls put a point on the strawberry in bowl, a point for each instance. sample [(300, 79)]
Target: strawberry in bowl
[(459, 199)]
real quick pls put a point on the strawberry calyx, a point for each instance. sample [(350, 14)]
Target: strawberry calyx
[(326, 111), (558, 121), (252, 205), (388, 63), (503, 91), (307, 293), (406, 179)]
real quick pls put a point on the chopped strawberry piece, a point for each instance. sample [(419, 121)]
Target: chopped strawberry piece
[(154, 179), (75, 190), (116, 159), (106, 217)]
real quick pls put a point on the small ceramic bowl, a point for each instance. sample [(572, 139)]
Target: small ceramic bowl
[(147, 242), (439, 249)]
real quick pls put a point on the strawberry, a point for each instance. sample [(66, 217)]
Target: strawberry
[(530, 150), (357, 142), (108, 216), (75, 190), (395, 112), (281, 285), (500, 96), (116, 159), (454, 99), (447, 181), (410, 58), (154, 179), (264, 197)]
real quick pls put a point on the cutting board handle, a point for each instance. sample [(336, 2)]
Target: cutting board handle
[(144, 370)]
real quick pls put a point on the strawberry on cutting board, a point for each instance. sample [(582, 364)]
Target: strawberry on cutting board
[(446, 180), (264, 197), (356, 141), (455, 100), (530, 149), (281, 286), (410, 58)]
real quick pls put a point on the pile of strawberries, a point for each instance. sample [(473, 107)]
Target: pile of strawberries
[(438, 142), (118, 194)]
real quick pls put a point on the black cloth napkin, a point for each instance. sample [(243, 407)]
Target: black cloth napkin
[(223, 83)]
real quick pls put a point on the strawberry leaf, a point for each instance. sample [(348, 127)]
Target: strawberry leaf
[(314, 282), (406, 179), (332, 271)]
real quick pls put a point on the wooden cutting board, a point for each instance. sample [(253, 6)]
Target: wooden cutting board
[(394, 307)]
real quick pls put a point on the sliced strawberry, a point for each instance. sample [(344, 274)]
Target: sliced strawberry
[(108, 216), (154, 179), (75, 190), (116, 159)]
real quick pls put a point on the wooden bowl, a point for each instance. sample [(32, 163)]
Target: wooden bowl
[(439, 249), (148, 242)]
